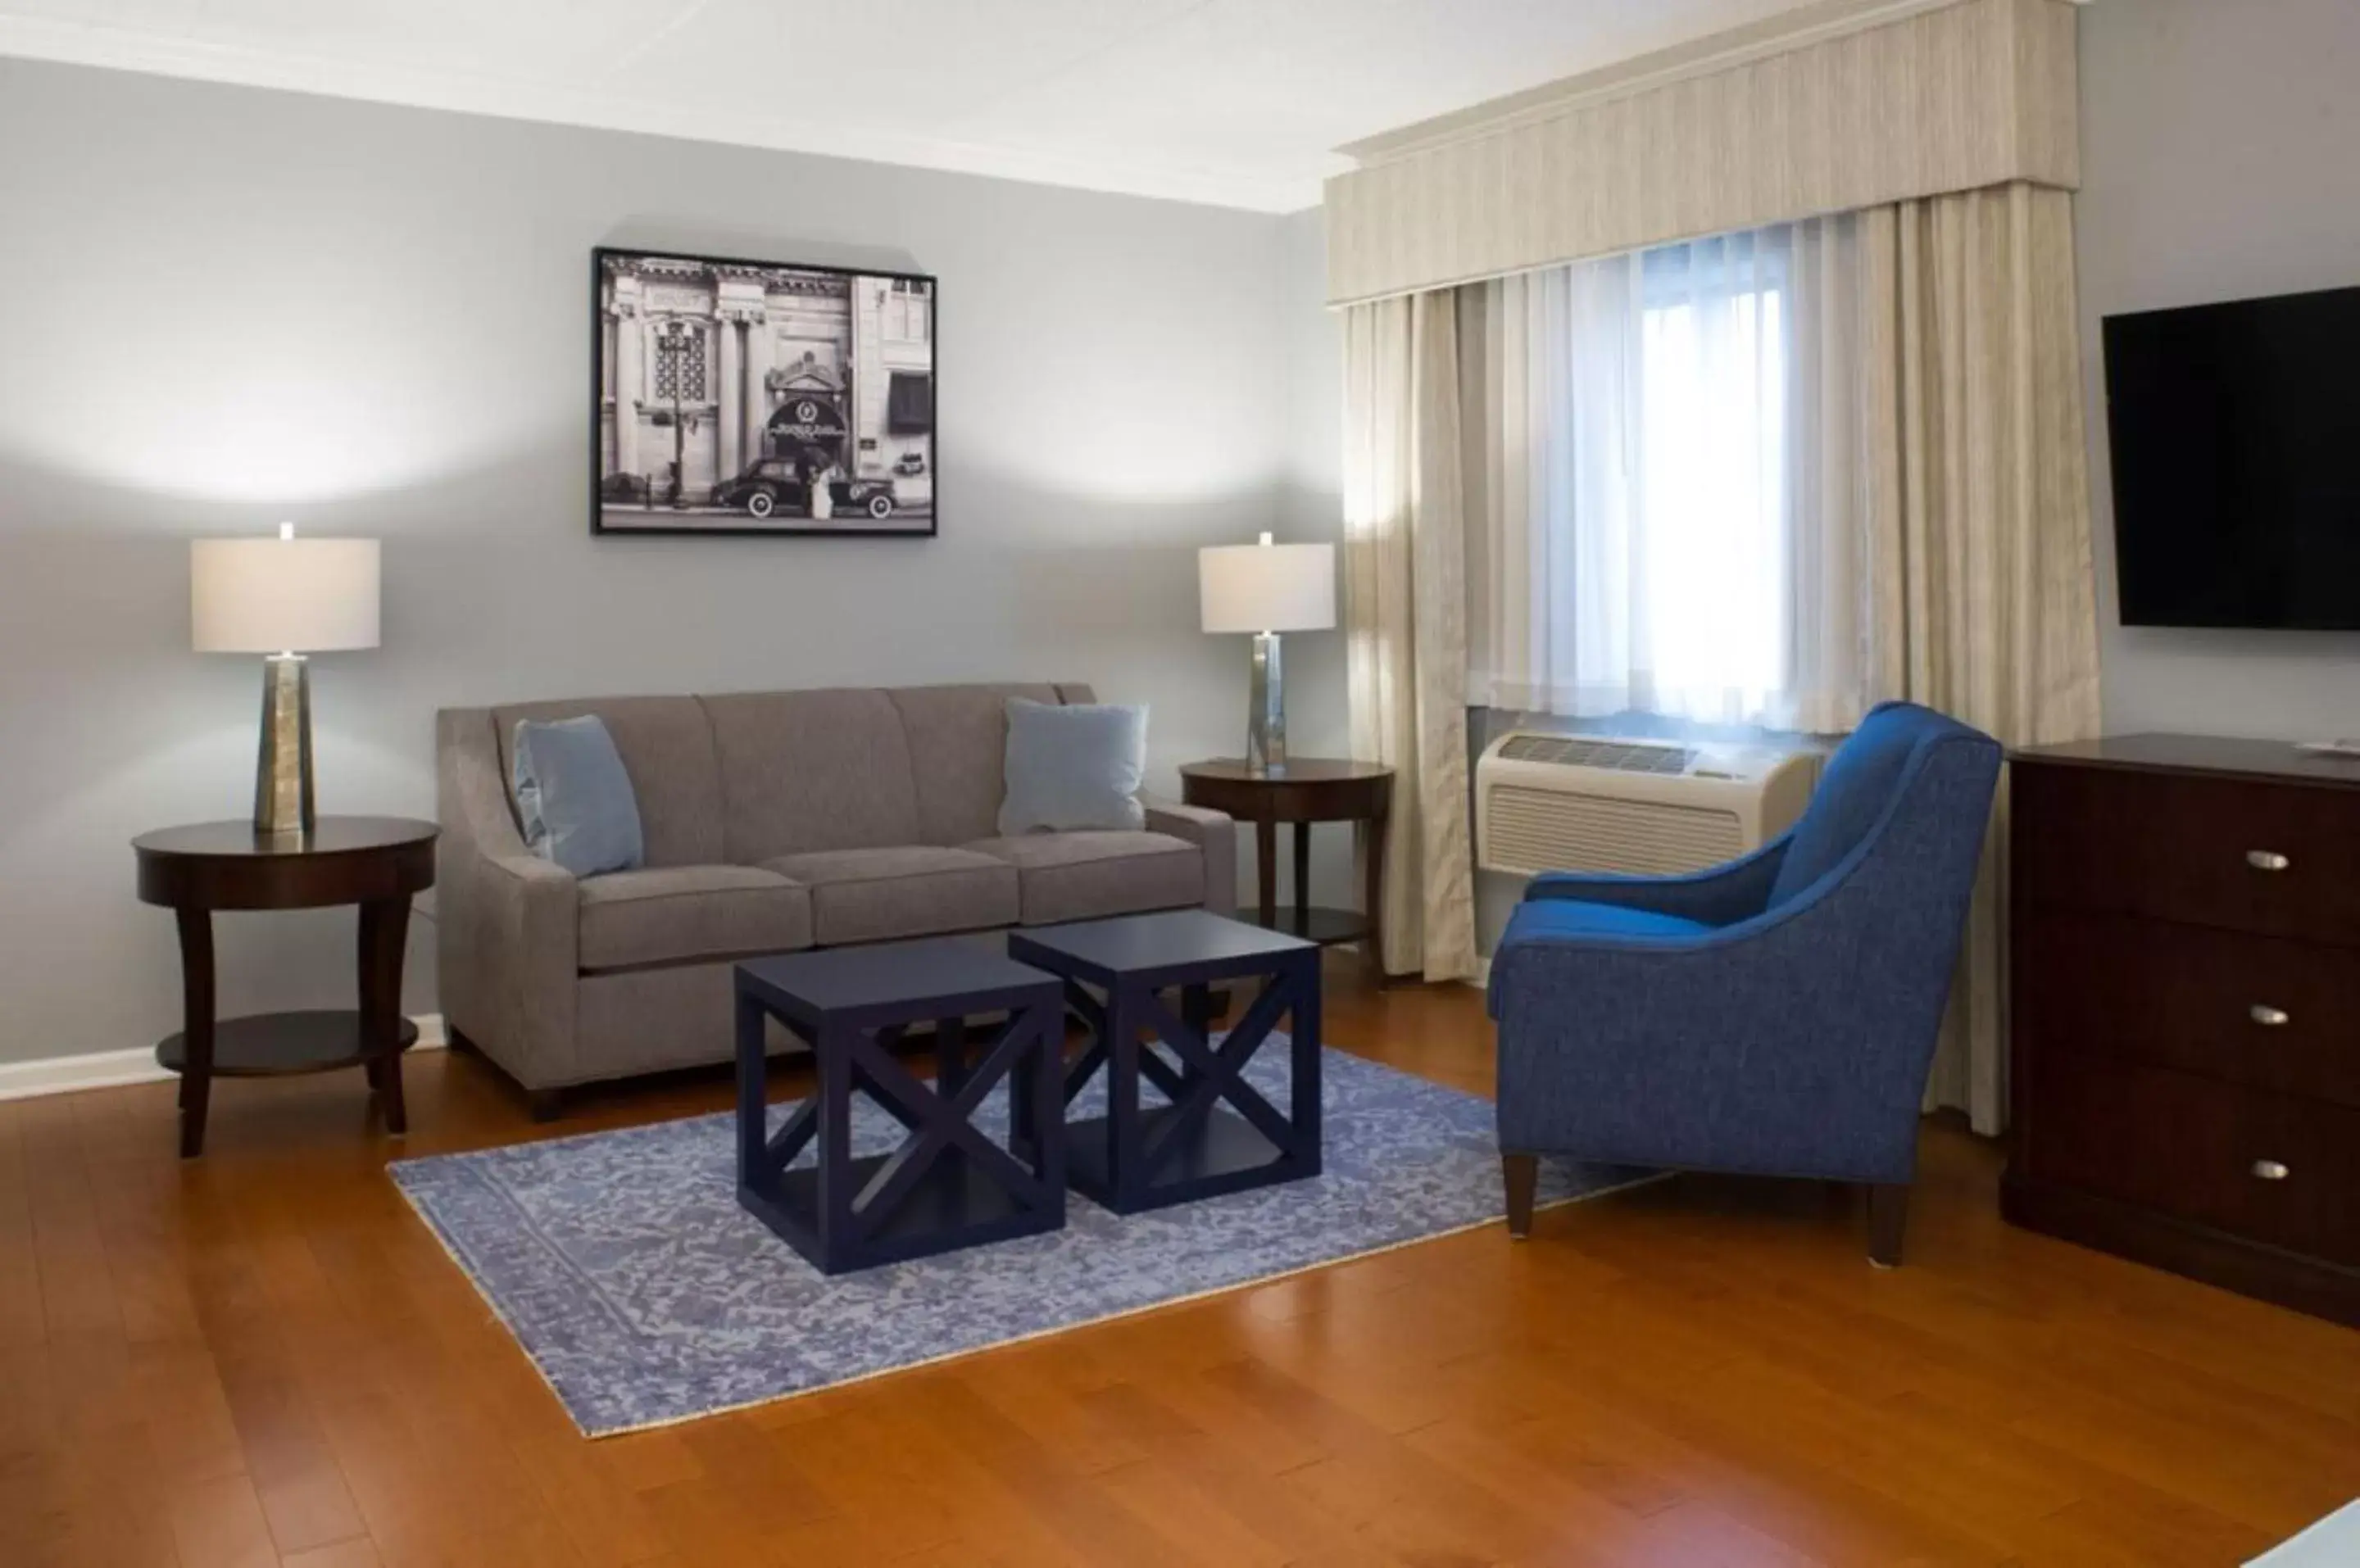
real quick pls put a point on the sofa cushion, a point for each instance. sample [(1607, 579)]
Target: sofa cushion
[(877, 895), (1089, 875), (958, 743), (675, 914), (1073, 768), (573, 796), (666, 745), (812, 770)]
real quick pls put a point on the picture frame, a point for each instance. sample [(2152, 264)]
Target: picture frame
[(775, 399)]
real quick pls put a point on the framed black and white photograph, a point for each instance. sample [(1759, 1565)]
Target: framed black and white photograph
[(737, 397)]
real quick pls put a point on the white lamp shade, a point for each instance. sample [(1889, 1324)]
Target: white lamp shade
[(1267, 587), (283, 596)]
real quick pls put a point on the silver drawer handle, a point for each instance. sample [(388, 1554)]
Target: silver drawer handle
[(2266, 860), (2266, 1016), (2271, 1171)]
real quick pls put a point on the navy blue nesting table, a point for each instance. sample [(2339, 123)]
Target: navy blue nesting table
[(947, 1185), (1215, 1132)]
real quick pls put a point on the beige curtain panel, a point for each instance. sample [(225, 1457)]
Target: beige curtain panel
[(1981, 561), (1842, 107), (1405, 617)]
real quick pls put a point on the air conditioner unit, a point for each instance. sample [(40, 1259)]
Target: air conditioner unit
[(1559, 802)]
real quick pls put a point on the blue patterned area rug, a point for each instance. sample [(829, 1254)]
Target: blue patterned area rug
[(625, 1267)]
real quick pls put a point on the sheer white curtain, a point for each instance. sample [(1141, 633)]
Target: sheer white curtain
[(1670, 518)]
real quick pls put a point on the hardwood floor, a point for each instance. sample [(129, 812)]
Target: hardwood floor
[(262, 1357)]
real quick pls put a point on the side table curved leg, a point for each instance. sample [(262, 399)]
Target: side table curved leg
[(1266, 870), (385, 932), (197, 1022)]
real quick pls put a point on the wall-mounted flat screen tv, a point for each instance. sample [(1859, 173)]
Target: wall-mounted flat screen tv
[(2235, 437)]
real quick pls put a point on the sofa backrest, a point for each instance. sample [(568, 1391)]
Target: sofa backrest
[(744, 777), (958, 748), (667, 748), (806, 770)]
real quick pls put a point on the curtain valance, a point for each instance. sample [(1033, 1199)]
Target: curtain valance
[(1889, 103)]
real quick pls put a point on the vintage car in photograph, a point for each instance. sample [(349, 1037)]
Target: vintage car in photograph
[(874, 496), (773, 485), (764, 486)]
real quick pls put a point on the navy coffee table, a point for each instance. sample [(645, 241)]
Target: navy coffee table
[(1216, 1133), (947, 1185)]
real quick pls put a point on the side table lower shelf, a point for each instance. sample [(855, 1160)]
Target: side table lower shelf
[(283, 1045), (280, 1045)]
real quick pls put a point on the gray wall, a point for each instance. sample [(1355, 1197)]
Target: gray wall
[(222, 307), (2218, 145)]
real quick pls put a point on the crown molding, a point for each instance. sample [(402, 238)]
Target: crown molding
[(119, 49), (1777, 34)]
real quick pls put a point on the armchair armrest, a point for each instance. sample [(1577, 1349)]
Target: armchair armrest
[(1213, 833), (1718, 896)]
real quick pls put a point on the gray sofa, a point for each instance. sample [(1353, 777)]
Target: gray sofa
[(773, 821)]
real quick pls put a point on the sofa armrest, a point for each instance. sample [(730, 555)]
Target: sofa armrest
[(506, 935), (1212, 832)]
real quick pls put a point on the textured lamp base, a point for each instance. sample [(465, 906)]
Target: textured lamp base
[(282, 769), (1266, 710)]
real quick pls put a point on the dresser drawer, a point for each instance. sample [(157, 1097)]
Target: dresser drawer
[(2278, 859), (2266, 1166), (2320, 1211), (2257, 1010)]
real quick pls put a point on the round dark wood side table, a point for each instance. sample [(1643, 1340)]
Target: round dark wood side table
[(377, 862), (1312, 789)]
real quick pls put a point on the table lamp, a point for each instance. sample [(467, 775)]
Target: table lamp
[(1266, 589), (284, 597)]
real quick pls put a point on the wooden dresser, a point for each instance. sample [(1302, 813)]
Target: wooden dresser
[(2186, 1010)]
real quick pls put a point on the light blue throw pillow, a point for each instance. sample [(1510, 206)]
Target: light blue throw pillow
[(574, 798), (1071, 767)]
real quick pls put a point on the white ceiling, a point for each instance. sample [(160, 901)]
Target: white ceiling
[(1232, 101)]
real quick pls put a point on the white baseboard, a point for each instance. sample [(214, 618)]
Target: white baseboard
[(111, 1069), (1482, 980)]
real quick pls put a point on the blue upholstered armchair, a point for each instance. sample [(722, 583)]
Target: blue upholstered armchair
[(1775, 1016)]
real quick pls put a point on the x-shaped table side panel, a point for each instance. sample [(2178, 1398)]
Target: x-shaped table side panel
[(946, 1185)]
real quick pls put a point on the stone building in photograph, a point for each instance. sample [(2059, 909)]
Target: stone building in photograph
[(728, 387)]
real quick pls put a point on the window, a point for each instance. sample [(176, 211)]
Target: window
[(905, 310), (909, 404), (1713, 475), (1637, 544), (680, 361)]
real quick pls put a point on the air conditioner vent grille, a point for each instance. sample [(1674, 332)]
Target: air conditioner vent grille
[(1583, 751), (1532, 831)]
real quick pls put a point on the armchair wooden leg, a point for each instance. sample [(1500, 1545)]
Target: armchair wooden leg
[(545, 1105), (1888, 1218), (1522, 1173)]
